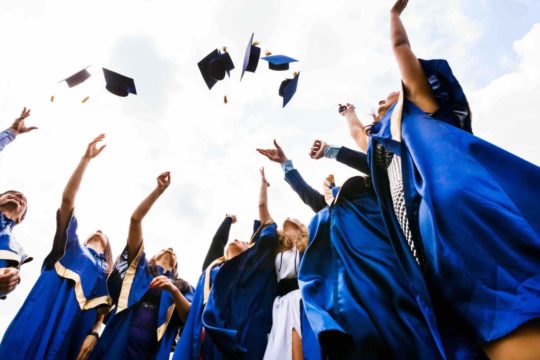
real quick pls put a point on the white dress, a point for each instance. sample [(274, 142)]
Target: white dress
[(286, 310)]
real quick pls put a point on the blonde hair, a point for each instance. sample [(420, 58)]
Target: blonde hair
[(301, 242)]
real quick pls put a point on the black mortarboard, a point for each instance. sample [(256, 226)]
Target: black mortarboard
[(288, 88), (214, 66), (77, 78), (119, 84), (251, 58), (278, 62)]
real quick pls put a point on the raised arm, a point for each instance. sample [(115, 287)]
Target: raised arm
[(352, 158), (18, 127), (356, 128), (72, 187), (264, 213), (215, 251), (309, 196), (135, 237), (417, 88)]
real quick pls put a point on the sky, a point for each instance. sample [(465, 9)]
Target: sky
[(176, 124)]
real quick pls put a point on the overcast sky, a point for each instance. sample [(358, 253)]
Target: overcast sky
[(176, 124)]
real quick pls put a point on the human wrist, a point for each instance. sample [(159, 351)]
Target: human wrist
[(331, 151), (287, 166)]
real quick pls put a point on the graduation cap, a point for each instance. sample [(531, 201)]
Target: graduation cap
[(77, 78), (214, 67), (288, 88), (251, 57), (119, 84), (278, 62)]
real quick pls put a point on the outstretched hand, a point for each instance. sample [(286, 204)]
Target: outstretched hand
[(398, 7), (92, 150), (164, 180), (317, 149), (275, 155), (18, 126)]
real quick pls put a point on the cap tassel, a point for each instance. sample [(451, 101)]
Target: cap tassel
[(85, 99), (256, 43), (52, 98), (225, 100), (224, 49)]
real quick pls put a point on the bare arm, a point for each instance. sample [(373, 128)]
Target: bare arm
[(356, 128), (72, 187), (264, 214), (135, 237), (417, 88)]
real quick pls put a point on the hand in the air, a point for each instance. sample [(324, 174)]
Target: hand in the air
[(317, 149), (276, 155), (92, 150), (18, 126)]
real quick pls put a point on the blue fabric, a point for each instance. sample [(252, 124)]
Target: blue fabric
[(356, 298), (6, 137), (238, 315), (11, 252), (51, 324), (474, 208), (309, 196), (114, 341), (355, 159), (190, 344)]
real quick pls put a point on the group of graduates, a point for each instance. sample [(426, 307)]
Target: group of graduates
[(431, 252)]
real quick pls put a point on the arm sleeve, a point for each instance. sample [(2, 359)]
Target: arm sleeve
[(59, 244), (309, 196), (219, 241), (355, 159), (6, 137)]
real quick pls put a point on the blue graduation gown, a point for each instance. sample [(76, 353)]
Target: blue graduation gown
[(60, 310), (474, 208), (128, 284), (356, 297), (238, 314), (190, 344), (11, 252)]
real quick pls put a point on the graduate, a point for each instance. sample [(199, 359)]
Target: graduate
[(238, 312), (356, 298), (193, 343), (13, 208), (462, 213), (63, 314), (150, 301)]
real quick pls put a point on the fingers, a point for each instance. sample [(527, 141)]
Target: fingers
[(100, 149), (276, 145), (32, 128)]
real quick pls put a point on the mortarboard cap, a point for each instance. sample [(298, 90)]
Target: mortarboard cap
[(214, 66), (251, 57), (278, 62), (288, 88), (119, 84), (77, 78)]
